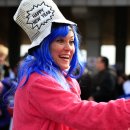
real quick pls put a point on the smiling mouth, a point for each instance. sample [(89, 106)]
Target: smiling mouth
[(65, 57)]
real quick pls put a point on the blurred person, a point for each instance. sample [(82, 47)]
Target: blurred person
[(8, 97), (85, 82), (6, 82), (8, 87), (48, 96), (4, 72), (4, 69), (103, 83), (121, 78)]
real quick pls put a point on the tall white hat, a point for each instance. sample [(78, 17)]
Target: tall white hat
[(36, 17)]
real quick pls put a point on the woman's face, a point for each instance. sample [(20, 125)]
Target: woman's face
[(62, 50)]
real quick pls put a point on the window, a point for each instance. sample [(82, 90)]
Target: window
[(127, 60), (83, 54), (109, 51)]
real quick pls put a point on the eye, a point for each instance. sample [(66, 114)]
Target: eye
[(71, 42), (60, 40)]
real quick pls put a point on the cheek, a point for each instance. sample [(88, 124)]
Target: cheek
[(54, 54), (73, 51), (54, 50)]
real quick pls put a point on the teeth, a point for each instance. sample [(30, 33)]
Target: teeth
[(67, 57)]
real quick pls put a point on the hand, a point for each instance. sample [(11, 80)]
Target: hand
[(1, 87), (90, 98)]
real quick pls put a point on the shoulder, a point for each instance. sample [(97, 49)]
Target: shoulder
[(39, 78), (40, 82)]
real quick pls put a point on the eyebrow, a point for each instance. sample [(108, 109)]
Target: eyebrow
[(71, 36)]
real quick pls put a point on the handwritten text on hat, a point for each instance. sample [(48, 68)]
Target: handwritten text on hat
[(39, 15)]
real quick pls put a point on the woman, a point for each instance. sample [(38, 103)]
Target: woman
[(48, 96)]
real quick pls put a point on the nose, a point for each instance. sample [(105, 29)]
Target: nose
[(67, 46)]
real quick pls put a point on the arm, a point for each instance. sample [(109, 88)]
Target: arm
[(62, 106)]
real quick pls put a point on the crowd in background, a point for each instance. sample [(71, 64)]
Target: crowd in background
[(7, 88), (107, 83), (103, 85)]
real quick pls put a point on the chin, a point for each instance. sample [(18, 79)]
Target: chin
[(65, 68)]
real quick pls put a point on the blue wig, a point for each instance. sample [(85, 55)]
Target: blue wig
[(40, 59)]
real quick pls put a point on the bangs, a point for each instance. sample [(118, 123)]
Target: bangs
[(58, 31)]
